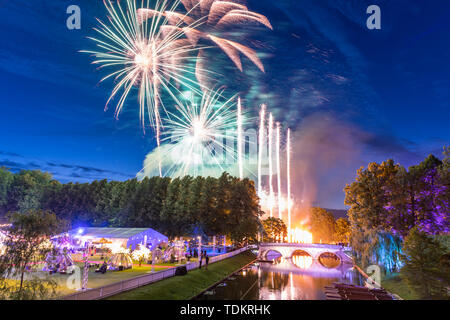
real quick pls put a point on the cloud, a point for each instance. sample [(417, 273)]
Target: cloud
[(63, 172), (327, 151)]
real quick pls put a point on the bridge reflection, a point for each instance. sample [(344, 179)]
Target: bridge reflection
[(305, 264)]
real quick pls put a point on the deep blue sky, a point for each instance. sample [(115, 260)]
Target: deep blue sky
[(352, 95)]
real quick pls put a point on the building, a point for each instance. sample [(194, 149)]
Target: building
[(124, 237)]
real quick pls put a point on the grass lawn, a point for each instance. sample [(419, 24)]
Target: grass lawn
[(185, 287), (394, 284), (98, 279)]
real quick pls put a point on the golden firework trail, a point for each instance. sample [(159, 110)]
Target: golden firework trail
[(262, 116), (239, 139), (288, 170), (279, 195), (271, 196)]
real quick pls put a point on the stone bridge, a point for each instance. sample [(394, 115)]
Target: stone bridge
[(315, 250)]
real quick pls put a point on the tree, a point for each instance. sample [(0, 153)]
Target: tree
[(26, 189), (26, 244), (342, 230), (369, 216), (274, 229), (322, 225), (244, 211), (6, 178), (421, 271)]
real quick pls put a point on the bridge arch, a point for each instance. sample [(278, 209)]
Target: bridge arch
[(329, 260), (263, 255)]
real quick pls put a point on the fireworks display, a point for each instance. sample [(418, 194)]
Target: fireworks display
[(268, 200), (158, 51), (271, 196), (261, 139), (239, 139), (161, 52)]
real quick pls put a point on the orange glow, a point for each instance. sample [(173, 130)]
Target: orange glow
[(297, 235), (303, 262)]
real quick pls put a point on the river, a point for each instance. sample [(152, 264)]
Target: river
[(296, 278)]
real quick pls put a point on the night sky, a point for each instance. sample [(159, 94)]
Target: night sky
[(350, 94)]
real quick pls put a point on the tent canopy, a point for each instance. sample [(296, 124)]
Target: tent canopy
[(133, 236)]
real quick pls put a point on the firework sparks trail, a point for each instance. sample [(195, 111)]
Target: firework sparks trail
[(148, 55), (262, 115), (279, 195), (288, 170), (199, 134), (216, 15), (271, 196), (239, 139)]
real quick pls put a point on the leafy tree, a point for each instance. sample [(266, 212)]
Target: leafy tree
[(274, 229), (6, 178), (26, 189), (422, 270), (368, 198), (243, 219), (322, 225), (342, 230), (26, 244)]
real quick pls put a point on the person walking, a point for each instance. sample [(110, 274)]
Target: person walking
[(206, 261)]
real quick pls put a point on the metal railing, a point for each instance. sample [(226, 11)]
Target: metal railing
[(133, 283)]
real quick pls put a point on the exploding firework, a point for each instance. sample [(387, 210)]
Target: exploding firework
[(200, 137), (261, 139), (271, 196), (239, 139), (215, 15), (149, 55), (279, 195), (288, 170)]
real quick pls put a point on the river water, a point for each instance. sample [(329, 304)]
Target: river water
[(296, 278)]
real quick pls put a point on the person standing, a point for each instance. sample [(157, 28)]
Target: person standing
[(200, 258), (206, 261)]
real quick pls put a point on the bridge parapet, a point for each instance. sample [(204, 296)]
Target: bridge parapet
[(315, 250), (306, 245)]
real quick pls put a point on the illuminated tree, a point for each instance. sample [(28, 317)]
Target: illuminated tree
[(342, 230), (274, 229), (322, 225), (27, 244)]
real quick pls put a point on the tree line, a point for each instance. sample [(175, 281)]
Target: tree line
[(175, 207)]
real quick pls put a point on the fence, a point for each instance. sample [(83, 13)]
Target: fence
[(129, 284)]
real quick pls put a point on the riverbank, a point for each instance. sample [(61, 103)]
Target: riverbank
[(190, 285), (393, 283)]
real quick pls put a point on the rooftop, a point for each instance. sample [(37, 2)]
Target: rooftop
[(120, 233)]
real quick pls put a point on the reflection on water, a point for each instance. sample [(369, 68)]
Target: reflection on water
[(329, 260), (302, 261), (297, 278)]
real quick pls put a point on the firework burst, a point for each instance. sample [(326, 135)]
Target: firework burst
[(215, 16), (200, 137), (148, 55)]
